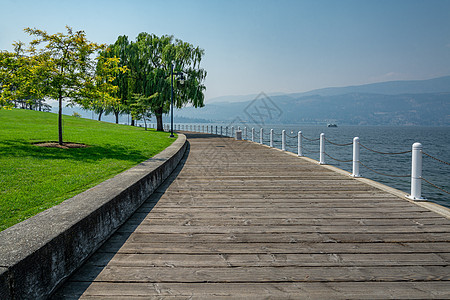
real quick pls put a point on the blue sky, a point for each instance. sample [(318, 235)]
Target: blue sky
[(266, 46)]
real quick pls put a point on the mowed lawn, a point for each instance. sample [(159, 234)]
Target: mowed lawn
[(34, 178)]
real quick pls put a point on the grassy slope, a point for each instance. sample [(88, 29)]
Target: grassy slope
[(33, 178)]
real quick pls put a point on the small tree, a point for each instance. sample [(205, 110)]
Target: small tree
[(69, 68), (141, 109)]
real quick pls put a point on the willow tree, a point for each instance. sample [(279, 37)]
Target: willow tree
[(162, 53), (149, 60), (121, 50), (69, 68)]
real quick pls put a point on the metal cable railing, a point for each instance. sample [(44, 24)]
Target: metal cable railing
[(384, 174), (435, 186), (336, 144), (435, 158), (438, 160), (311, 140), (385, 153), (343, 161)]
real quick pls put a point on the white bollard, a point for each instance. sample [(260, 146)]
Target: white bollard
[(322, 149), (253, 134), (245, 133), (283, 140), (239, 135), (261, 133), (356, 158), (299, 151), (416, 172), (271, 138)]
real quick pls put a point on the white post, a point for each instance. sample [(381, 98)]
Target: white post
[(283, 140), (322, 149), (245, 133), (356, 158), (261, 133), (416, 172), (271, 138), (253, 134), (299, 151)]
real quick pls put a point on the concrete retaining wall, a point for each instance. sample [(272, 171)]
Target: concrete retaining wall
[(37, 254)]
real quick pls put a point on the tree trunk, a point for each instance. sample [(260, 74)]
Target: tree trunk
[(145, 124), (116, 113), (60, 129), (100, 115), (132, 121), (159, 122)]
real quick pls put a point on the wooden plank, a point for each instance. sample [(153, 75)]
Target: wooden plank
[(254, 229), (274, 210), (117, 245), (297, 290), (266, 274), (349, 222), (266, 215), (266, 260), (316, 237)]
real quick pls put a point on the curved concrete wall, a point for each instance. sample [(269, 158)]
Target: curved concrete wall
[(37, 254)]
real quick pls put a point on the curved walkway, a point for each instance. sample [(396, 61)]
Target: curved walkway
[(239, 220)]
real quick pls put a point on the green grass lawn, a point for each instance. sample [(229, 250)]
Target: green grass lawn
[(34, 178)]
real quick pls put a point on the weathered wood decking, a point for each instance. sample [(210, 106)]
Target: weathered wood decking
[(239, 220)]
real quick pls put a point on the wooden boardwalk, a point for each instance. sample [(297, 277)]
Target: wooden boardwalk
[(239, 220)]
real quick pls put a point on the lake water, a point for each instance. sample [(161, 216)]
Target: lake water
[(435, 141)]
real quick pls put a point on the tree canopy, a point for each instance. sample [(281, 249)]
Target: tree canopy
[(62, 68), (147, 84)]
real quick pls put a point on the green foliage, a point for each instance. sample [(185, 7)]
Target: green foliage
[(34, 178), (63, 68), (149, 61)]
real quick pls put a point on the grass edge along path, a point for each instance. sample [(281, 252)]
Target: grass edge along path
[(33, 179)]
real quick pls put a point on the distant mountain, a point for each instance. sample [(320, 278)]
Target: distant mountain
[(435, 85), (431, 109), (238, 98)]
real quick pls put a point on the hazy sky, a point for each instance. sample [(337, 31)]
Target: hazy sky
[(257, 46)]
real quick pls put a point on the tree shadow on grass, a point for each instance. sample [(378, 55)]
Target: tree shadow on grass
[(20, 148)]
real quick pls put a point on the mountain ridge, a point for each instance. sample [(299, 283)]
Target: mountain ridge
[(433, 85)]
